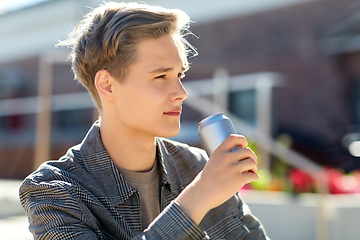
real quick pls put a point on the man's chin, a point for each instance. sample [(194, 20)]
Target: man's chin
[(170, 133)]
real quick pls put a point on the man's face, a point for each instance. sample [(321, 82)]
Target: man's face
[(149, 100)]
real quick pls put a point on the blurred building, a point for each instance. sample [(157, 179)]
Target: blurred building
[(316, 46), (313, 44)]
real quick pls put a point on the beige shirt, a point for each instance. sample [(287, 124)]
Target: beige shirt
[(148, 185)]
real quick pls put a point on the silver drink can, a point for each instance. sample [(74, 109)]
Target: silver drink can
[(213, 130)]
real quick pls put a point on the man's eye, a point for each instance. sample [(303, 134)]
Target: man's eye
[(161, 76)]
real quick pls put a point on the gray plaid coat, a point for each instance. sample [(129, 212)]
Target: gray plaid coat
[(83, 196)]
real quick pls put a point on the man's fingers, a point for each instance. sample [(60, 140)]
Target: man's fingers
[(247, 170), (232, 141), (250, 176), (246, 165), (243, 153)]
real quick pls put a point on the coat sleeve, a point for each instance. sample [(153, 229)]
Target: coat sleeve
[(53, 213), (253, 224), (173, 223)]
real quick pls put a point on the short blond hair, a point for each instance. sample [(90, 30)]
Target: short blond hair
[(107, 37)]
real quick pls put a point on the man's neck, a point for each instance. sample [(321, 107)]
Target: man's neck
[(129, 150)]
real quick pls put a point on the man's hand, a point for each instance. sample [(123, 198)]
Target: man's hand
[(226, 172)]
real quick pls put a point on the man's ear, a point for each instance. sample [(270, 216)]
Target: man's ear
[(103, 84)]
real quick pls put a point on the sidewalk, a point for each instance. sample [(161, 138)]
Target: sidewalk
[(13, 221)]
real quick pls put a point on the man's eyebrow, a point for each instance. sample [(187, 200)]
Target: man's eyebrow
[(161, 70)]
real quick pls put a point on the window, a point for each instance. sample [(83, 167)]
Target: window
[(355, 101), (243, 104)]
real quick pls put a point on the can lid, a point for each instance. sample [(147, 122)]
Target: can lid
[(211, 119)]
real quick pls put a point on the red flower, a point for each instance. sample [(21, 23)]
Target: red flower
[(301, 182), (339, 182)]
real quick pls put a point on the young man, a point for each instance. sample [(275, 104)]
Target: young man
[(125, 181)]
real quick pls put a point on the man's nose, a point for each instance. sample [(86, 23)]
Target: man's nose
[(180, 92)]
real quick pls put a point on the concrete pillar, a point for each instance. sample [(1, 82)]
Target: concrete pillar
[(264, 116), (43, 118)]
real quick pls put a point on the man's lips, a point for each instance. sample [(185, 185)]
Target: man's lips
[(174, 112)]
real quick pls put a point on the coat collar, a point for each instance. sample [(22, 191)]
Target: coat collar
[(170, 175)]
